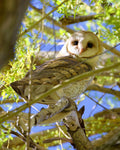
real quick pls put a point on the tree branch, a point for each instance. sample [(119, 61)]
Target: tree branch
[(36, 136), (104, 90), (42, 19), (71, 19), (74, 128), (111, 49), (108, 140), (108, 113), (23, 138), (57, 23), (94, 87)]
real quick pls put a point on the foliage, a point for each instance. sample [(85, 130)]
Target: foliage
[(47, 35)]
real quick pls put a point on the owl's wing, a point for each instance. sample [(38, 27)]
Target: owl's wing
[(50, 74)]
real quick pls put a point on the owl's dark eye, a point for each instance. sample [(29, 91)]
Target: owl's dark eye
[(75, 42), (90, 45)]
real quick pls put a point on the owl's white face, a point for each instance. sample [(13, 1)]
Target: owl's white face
[(82, 44)]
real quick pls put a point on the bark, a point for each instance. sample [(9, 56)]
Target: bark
[(80, 141), (12, 13), (73, 123)]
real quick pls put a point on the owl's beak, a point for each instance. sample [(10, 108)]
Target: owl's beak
[(81, 47), (81, 50)]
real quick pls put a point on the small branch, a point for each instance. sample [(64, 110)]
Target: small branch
[(57, 23), (66, 82), (108, 74), (95, 101), (17, 141), (42, 19), (111, 49), (23, 138), (109, 114), (58, 138), (70, 19), (10, 101), (104, 90)]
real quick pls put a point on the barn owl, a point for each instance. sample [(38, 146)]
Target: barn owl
[(78, 55)]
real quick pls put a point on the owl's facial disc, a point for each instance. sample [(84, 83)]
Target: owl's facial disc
[(83, 45)]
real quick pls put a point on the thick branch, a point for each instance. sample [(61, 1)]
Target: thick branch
[(12, 13), (104, 90), (77, 19), (66, 82), (74, 128), (108, 140), (80, 141)]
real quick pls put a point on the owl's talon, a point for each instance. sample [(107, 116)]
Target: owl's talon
[(51, 111)]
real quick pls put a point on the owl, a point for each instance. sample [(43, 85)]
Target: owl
[(80, 54)]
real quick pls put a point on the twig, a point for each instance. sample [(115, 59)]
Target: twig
[(56, 139), (57, 23), (23, 138), (94, 107), (111, 49), (29, 99), (95, 101), (42, 19), (104, 90), (60, 129)]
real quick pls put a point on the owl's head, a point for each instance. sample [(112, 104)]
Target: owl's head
[(82, 44)]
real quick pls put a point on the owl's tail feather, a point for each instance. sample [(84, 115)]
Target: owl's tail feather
[(17, 87)]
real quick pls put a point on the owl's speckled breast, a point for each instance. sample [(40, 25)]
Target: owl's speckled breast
[(73, 90)]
